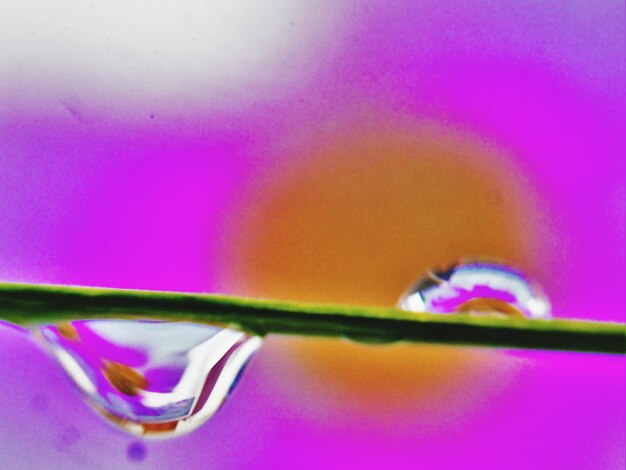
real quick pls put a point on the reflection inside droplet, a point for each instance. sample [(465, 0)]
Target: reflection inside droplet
[(476, 287), (151, 377)]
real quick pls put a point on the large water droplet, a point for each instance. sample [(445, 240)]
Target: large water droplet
[(151, 377), (476, 287)]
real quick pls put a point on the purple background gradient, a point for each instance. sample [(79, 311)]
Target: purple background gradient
[(146, 146)]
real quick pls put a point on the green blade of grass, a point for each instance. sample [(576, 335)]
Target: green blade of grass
[(28, 304)]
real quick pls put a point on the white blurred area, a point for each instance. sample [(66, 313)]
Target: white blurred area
[(116, 54)]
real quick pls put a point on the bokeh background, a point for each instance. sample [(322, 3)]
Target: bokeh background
[(321, 151)]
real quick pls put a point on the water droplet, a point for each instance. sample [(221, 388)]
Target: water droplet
[(39, 402), (67, 438), (136, 451), (151, 377), (476, 287)]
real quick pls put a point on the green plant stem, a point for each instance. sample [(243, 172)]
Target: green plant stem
[(29, 304)]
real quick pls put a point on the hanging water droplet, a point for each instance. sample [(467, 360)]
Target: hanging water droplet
[(477, 287), (151, 377)]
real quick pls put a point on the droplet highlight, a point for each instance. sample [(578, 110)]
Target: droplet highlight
[(477, 288), (151, 377)]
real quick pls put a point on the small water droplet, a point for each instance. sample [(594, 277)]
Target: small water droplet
[(151, 377), (67, 438), (136, 451), (39, 402), (476, 287)]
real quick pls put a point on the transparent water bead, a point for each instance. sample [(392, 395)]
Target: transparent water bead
[(151, 377), (476, 287)]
